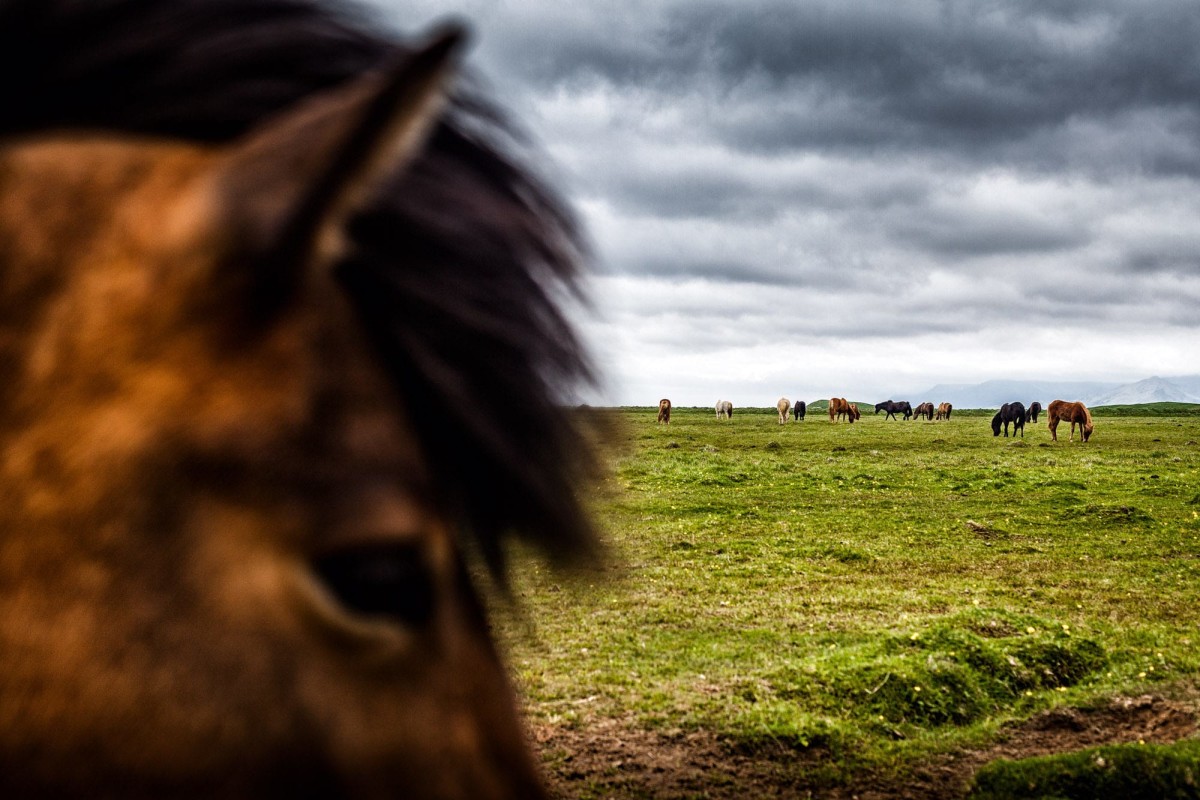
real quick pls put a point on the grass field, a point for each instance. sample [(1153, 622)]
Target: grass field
[(857, 598)]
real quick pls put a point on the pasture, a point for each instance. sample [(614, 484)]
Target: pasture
[(830, 608)]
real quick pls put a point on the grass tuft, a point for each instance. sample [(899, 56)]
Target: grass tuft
[(1129, 772)]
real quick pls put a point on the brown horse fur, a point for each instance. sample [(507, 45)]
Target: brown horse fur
[(943, 411), (1075, 413), (924, 410), (838, 407), (253, 284), (782, 407), (664, 411), (854, 415)]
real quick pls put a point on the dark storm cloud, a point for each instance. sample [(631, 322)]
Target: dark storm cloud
[(893, 76), (844, 176), (953, 232)]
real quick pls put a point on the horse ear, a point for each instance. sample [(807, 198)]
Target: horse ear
[(287, 188)]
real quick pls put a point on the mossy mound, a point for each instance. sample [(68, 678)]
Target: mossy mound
[(1128, 772)]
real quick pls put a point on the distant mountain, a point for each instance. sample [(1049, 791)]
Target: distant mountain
[(1189, 383), (993, 394), (1151, 390)]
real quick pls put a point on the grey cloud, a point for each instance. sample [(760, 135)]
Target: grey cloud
[(828, 172), (952, 234), (893, 75)]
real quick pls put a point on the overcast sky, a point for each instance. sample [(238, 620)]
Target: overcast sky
[(864, 198)]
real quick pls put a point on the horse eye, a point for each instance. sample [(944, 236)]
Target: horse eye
[(383, 580)]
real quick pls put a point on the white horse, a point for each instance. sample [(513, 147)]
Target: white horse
[(724, 409), (782, 407)]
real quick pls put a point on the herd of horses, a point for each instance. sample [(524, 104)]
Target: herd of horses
[(1076, 413), (1014, 413)]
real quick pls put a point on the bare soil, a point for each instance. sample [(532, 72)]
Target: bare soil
[(609, 758)]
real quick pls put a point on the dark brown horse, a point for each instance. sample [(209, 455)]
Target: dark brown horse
[(924, 410), (891, 407), (1009, 412), (799, 409), (259, 264), (1031, 414), (1075, 413), (664, 411)]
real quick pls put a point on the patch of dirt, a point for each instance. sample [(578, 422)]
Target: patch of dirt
[(611, 759), (614, 759)]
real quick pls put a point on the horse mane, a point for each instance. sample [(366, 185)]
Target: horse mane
[(1086, 413), (457, 269)]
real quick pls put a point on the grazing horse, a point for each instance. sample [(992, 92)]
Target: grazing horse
[(924, 410), (891, 407), (664, 411), (1009, 412), (799, 410), (782, 407), (1074, 413), (838, 407), (724, 409), (259, 262), (1035, 408), (943, 411), (854, 415)]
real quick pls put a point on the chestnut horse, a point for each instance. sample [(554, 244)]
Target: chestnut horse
[(782, 407), (1075, 413), (838, 407), (260, 261), (943, 411), (664, 411)]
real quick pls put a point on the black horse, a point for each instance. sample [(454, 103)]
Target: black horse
[(1035, 408), (799, 410), (1009, 412), (892, 407)]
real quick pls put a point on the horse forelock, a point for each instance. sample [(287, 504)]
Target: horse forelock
[(455, 270)]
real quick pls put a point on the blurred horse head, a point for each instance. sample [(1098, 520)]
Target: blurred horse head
[(258, 264)]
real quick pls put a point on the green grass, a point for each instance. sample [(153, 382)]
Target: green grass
[(1129, 772), (882, 591), (1149, 410)]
